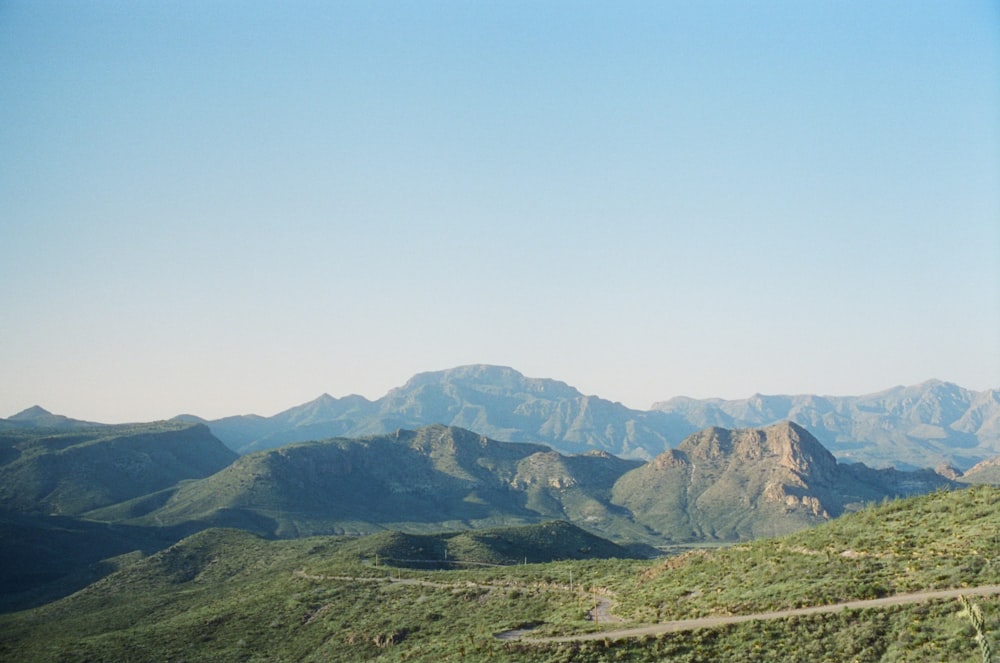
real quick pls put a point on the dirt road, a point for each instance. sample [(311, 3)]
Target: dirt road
[(705, 622)]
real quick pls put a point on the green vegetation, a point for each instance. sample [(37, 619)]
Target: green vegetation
[(557, 540), (718, 485), (229, 595), (58, 471), (975, 615), (936, 541)]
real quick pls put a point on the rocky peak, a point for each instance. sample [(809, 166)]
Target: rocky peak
[(31, 413), (792, 446), (799, 451)]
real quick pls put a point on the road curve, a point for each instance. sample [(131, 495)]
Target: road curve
[(706, 622)]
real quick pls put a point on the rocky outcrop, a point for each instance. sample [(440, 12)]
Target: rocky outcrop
[(748, 483)]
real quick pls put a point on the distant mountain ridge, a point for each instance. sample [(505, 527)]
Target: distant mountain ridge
[(924, 425), (494, 401), (38, 417)]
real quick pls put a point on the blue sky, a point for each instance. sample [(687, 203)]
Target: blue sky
[(232, 207)]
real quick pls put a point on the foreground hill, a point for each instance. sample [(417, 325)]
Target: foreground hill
[(228, 595), (73, 468), (534, 544), (924, 425)]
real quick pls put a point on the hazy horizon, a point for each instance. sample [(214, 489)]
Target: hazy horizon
[(227, 208), (403, 382)]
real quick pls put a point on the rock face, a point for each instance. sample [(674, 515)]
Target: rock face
[(748, 483), (987, 471)]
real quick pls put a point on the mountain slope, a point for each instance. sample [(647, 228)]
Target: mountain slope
[(717, 484), (987, 471), (74, 470), (226, 595), (46, 557), (750, 483), (422, 480)]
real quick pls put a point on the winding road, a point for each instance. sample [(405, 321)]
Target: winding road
[(706, 622)]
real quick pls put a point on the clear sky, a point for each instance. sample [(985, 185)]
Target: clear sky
[(233, 207)]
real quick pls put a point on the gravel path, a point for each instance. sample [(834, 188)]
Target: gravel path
[(706, 622)]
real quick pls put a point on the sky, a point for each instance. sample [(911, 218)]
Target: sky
[(224, 208)]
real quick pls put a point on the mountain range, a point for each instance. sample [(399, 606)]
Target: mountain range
[(717, 484), (94, 507), (150, 484), (927, 425)]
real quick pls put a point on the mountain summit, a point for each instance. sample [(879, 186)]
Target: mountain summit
[(38, 417), (495, 401), (924, 425), (749, 483)]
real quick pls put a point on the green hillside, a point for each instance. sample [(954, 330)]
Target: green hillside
[(718, 485), (545, 542), (43, 558), (229, 595), (74, 470), (420, 481)]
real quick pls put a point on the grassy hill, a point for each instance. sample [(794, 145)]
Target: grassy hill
[(545, 542), (229, 595)]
